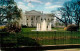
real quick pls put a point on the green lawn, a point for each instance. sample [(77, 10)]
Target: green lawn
[(43, 38), (29, 29), (51, 38)]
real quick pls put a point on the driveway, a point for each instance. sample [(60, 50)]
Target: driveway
[(65, 50)]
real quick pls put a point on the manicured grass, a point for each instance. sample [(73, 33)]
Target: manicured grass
[(29, 29), (58, 29), (27, 32), (43, 37), (52, 37), (16, 40), (50, 34)]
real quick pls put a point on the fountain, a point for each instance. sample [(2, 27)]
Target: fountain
[(43, 26)]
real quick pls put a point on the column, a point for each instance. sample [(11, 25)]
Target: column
[(35, 21), (37, 27), (29, 21)]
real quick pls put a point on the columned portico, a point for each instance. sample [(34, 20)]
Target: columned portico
[(33, 17)]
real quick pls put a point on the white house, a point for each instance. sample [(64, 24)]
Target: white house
[(31, 18)]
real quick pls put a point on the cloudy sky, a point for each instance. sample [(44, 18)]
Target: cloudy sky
[(40, 5)]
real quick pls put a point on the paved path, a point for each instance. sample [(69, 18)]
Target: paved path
[(0, 48), (65, 50)]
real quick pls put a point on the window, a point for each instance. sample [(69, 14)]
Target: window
[(52, 19), (48, 19), (41, 18), (27, 24), (27, 19), (32, 25), (36, 18), (32, 22), (31, 18), (45, 18)]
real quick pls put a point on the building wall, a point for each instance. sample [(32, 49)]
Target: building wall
[(31, 18)]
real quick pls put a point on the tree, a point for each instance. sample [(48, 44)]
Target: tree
[(75, 10), (70, 13), (13, 13), (9, 11)]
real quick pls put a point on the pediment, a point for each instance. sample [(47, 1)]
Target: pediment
[(33, 12)]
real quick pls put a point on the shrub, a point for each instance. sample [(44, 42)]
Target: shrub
[(12, 27), (24, 26), (2, 27), (8, 40), (65, 28), (17, 40), (72, 27), (26, 41)]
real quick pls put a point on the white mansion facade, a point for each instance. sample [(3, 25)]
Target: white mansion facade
[(31, 18)]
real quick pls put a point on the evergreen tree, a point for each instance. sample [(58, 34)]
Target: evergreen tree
[(9, 11)]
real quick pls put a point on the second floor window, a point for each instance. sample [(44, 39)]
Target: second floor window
[(31, 18), (41, 19), (27, 19)]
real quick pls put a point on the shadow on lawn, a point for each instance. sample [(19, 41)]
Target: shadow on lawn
[(20, 43)]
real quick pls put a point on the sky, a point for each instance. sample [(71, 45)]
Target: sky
[(40, 5)]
